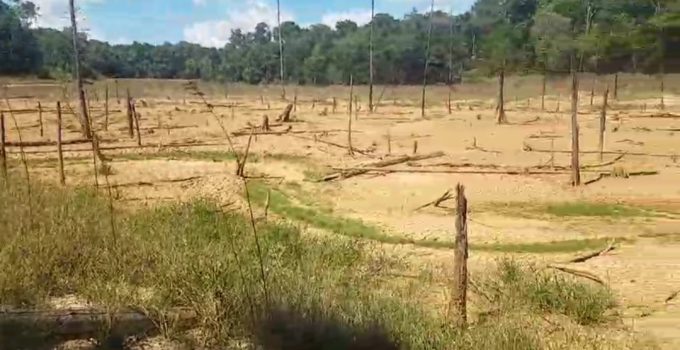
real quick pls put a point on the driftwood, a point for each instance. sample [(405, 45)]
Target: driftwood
[(285, 115), (584, 258), (35, 329), (351, 172)]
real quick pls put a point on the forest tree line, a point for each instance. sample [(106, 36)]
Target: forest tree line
[(519, 36)]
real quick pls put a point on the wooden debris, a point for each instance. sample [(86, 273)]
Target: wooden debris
[(436, 203), (45, 143), (147, 183), (347, 173), (672, 296), (627, 175), (603, 251), (285, 115), (578, 273)]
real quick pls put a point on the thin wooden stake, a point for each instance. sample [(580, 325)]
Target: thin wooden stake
[(40, 119), (663, 103), (117, 95), (335, 104), (349, 118), (616, 86), (415, 146), (458, 304), (575, 163), (3, 150), (85, 119), (545, 82), (389, 142), (130, 115), (500, 109), (106, 108), (603, 122), (370, 61), (60, 154), (139, 134)]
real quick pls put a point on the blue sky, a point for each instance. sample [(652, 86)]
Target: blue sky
[(209, 22)]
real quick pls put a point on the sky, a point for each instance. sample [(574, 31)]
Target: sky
[(209, 22)]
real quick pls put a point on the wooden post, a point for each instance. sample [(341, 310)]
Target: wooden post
[(295, 101), (559, 99), (137, 117), (40, 119), (335, 105), (663, 104), (592, 91), (415, 146), (130, 114), (543, 89), (106, 108), (458, 304), (85, 119), (603, 122), (117, 95), (616, 86), (349, 123), (575, 162), (389, 142), (60, 154), (3, 150), (448, 102)]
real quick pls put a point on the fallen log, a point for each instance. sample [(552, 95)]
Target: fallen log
[(46, 143), (584, 258), (529, 148), (23, 329), (351, 172), (146, 183), (578, 273), (627, 175), (285, 115)]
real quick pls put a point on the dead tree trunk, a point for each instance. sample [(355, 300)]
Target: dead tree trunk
[(427, 61), (106, 108), (370, 61), (458, 304), (130, 115), (3, 150), (501, 118), (592, 90), (335, 105), (137, 127), (575, 163), (84, 119), (117, 95), (285, 115), (349, 118), (60, 154), (603, 122)]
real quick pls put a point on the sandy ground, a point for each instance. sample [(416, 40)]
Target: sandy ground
[(643, 272)]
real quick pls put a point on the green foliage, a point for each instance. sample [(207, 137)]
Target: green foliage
[(515, 35)]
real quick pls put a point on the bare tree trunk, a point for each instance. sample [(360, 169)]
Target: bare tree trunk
[(458, 304), (3, 150), (501, 98), (663, 104), (603, 122), (349, 118), (427, 60), (370, 61), (575, 163), (543, 88), (84, 119), (60, 154), (281, 59)]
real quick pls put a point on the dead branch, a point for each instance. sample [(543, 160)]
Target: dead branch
[(351, 172), (146, 183), (364, 152), (529, 148), (578, 273), (672, 296), (45, 143), (21, 327), (657, 115), (584, 258), (627, 175), (445, 197)]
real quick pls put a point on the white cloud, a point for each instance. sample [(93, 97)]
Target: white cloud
[(200, 2), (360, 16), (55, 14), (245, 17)]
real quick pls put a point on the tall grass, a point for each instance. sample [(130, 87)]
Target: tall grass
[(324, 292)]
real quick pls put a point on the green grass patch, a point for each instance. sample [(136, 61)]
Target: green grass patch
[(570, 209), (567, 246)]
